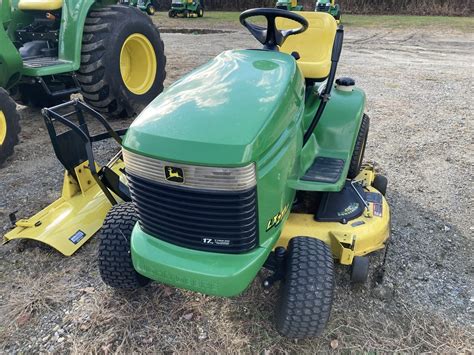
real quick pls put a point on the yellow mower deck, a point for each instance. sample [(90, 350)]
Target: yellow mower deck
[(71, 220), (358, 237)]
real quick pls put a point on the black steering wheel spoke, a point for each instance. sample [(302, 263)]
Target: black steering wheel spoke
[(271, 37)]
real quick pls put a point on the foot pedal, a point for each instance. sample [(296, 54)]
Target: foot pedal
[(324, 170), (341, 206)]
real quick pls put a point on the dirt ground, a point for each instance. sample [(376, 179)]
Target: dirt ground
[(419, 96)]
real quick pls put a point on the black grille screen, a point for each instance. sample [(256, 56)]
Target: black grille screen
[(224, 222)]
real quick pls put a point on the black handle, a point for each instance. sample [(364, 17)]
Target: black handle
[(337, 46)]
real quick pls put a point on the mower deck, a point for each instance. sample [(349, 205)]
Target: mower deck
[(356, 237)]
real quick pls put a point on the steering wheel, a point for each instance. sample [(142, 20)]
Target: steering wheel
[(271, 37)]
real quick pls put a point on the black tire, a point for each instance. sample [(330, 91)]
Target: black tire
[(360, 269), (150, 10), (9, 125), (306, 293), (200, 11), (380, 183), (185, 13), (359, 149), (115, 261), (105, 32)]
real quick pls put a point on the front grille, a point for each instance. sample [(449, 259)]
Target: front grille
[(194, 176), (218, 221)]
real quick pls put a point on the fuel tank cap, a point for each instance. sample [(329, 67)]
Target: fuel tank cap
[(345, 84)]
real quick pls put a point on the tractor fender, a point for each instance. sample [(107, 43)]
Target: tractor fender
[(341, 120), (334, 136), (10, 61), (72, 28)]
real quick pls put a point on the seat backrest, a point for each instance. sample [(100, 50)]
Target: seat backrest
[(44, 5), (314, 45)]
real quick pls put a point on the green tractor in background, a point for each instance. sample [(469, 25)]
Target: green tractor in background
[(186, 8), (112, 54), (290, 5), (330, 7), (150, 6)]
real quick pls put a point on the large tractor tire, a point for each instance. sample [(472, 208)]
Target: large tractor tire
[(123, 61), (9, 125), (306, 293), (115, 261)]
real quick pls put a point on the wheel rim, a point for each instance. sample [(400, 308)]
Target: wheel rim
[(3, 128), (138, 64)]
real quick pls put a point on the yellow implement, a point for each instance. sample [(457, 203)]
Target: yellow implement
[(71, 220), (358, 237), (89, 191)]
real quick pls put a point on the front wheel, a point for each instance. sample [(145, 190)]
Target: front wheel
[(115, 260), (122, 62), (306, 293), (9, 125)]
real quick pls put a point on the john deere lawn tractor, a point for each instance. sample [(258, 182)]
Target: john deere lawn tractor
[(330, 7), (186, 8), (112, 54), (290, 5), (148, 6), (254, 160)]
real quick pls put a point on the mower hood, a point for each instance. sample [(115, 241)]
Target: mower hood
[(227, 112)]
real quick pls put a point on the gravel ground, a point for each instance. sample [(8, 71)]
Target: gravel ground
[(418, 97)]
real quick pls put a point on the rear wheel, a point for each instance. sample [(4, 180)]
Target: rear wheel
[(115, 261), (186, 13), (9, 125), (307, 291), (359, 149), (380, 183), (123, 62)]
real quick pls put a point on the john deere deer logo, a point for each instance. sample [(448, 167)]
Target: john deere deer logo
[(174, 174)]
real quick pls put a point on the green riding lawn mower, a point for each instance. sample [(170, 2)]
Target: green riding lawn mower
[(330, 7), (253, 160), (290, 5), (186, 8), (150, 6), (112, 54)]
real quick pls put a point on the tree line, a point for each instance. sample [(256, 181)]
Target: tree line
[(379, 7)]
